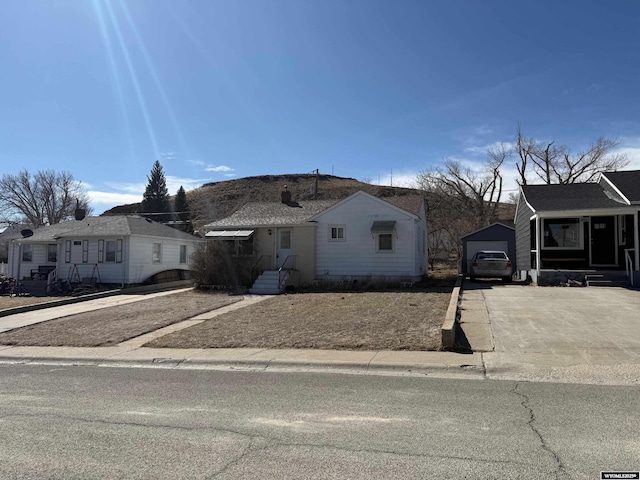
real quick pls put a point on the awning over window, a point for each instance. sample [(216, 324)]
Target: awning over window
[(383, 226), (230, 234)]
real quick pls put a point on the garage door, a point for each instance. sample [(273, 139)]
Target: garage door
[(476, 246)]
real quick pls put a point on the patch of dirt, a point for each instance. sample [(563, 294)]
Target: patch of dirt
[(334, 321), (113, 325)]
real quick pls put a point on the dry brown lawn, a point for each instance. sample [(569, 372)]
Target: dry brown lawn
[(342, 321), (113, 325)]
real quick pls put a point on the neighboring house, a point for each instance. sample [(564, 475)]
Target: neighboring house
[(361, 238), (120, 249), (582, 227), (497, 236)]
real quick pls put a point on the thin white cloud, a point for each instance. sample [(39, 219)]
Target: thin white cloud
[(111, 199), (126, 187), (631, 148), (198, 163), (174, 183), (483, 149), (168, 156), (219, 168)]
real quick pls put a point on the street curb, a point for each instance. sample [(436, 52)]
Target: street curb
[(448, 332), (59, 303), (142, 290), (256, 365)]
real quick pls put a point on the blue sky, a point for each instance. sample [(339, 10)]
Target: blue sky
[(367, 89)]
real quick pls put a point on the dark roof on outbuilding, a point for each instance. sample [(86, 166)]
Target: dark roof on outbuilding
[(628, 182), (504, 226), (575, 196)]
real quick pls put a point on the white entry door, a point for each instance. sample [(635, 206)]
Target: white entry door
[(284, 248)]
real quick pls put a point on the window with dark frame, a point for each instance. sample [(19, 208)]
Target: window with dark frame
[(110, 251), (337, 233), (385, 242), (562, 233), (52, 253), (27, 253), (183, 254)]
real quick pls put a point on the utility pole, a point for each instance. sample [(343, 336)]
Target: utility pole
[(315, 197)]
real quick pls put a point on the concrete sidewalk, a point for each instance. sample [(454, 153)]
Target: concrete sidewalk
[(131, 352)]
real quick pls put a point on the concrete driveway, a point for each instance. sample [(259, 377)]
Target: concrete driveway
[(584, 335)]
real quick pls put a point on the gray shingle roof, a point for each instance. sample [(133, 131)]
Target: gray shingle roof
[(410, 203), (628, 182), (269, 214), (116, 225), (575, 196)]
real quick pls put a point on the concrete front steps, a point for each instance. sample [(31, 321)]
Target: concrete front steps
[(271, 282), (606, 279)]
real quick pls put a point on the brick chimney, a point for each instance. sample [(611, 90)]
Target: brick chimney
[(285, 195)]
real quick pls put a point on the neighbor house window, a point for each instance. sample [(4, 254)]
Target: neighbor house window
[(27, 253), (52, 253), (183, 254), (385, 242), (110, 251), (85, 251), (562, 233), (67, 251), (157, 253), (336, 233)]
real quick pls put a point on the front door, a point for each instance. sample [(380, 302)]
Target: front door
[(603, 241), (284, 248)]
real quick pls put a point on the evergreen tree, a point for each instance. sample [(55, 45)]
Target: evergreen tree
[(181, 209), (156, 196)]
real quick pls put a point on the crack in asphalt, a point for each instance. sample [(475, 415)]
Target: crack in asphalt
[(269, 442), (560, 470)]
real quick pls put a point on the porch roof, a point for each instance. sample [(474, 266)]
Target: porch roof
[(230, 234)]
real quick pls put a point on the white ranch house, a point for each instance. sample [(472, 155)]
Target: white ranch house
[(120, 250), (358, 239)]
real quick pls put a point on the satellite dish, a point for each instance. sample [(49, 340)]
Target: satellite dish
[(26, 233)]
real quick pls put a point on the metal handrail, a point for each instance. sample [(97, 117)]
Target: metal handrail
[(283, 267), (628, 263), (256, 267)]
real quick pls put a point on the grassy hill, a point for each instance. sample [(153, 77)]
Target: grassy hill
[(216, 200)]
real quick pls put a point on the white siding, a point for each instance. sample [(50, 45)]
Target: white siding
[(141, 265), (356, 256)]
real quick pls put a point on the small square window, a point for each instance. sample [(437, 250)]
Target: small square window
[(337, 233), (385, 242)]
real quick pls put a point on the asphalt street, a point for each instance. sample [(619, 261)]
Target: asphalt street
[(97, 422)]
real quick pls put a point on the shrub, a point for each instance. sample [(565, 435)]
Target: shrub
[(213, 265)]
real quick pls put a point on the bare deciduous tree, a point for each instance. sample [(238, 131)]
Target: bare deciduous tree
[(553, 163), (45, 198), (461, 199)]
